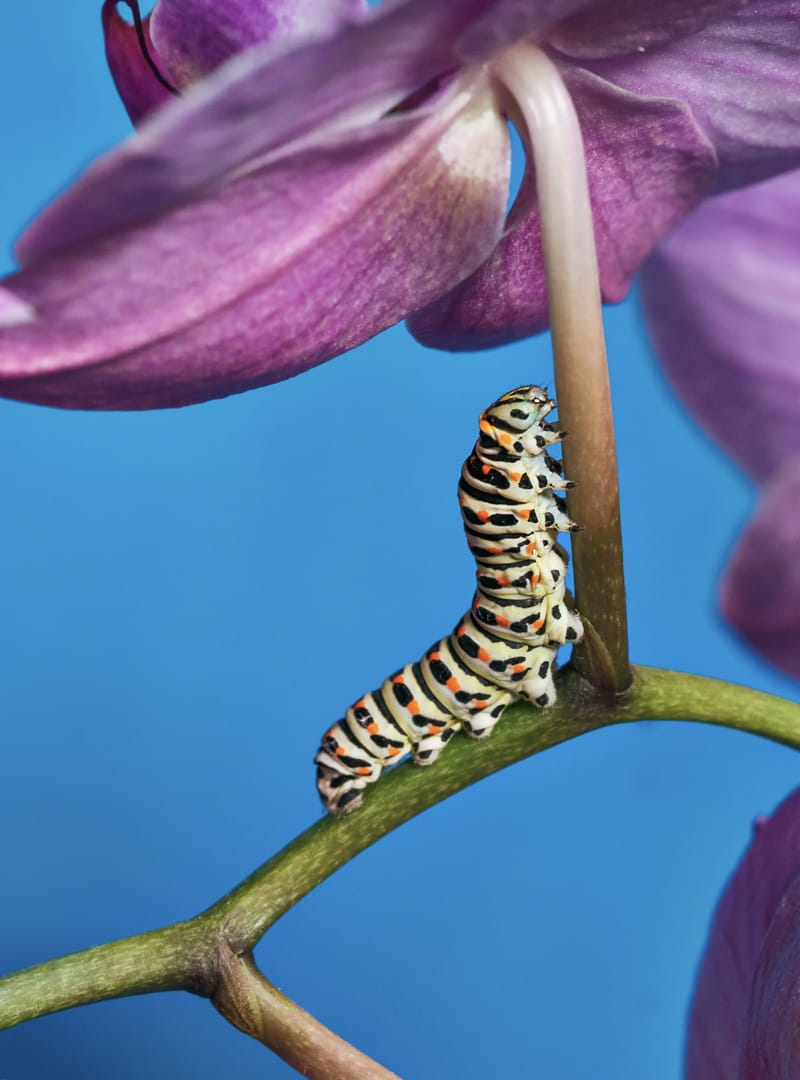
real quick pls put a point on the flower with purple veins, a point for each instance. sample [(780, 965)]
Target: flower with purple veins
[(722, 298), (328, 171)]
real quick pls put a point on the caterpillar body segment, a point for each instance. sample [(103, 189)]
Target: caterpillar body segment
[(504, 648)]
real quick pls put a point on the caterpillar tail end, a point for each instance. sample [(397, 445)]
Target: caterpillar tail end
[(339, 792)]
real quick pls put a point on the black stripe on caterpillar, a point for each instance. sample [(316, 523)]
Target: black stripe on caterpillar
[(505, 646)]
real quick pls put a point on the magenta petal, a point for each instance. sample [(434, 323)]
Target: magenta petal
[(617, 27), (13, 310), (259, 102), (281, 269), (741, 77), (760, 594), (196, 36), (741, 958), (648, 166), (772, 1043), (140, 90), (722, 298)]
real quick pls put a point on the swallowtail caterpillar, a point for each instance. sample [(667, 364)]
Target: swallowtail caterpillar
[(505, 646)]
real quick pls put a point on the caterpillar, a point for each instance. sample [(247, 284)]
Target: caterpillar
[(504, 647)]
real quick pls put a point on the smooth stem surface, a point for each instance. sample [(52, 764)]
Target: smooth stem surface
[(187, 955), (579, 351)]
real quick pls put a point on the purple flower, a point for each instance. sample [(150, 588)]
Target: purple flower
[(723, 300), (329, 171), (744, 1022)]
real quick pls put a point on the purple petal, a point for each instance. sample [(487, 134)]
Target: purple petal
[(760, 593), (648, 166), (722, 298), (140, 90), (740, 957), (772, 1042), (279, 270), (261, 101), (616, 27), (14, 311), (740, 77), (196, 36)]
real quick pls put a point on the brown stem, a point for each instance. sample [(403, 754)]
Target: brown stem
[(579, 351), (253, 1005)]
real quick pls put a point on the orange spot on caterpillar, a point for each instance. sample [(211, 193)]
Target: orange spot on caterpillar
[(452, 684), (373, 728), (363, 770), (524, 514), (413, 707), (505, 439), (393, 751), (503, 581), (486, 469), (538, 624), (359, 704), (518, 667), (501, 620), (484, 655), (397, 679), (486, 427), (433, 729), (482, 515), (340, 751), (495, 551), (461, 631), (435, 656), (515, 476)]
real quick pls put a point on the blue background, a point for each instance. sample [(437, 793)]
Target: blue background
[(158, 723)]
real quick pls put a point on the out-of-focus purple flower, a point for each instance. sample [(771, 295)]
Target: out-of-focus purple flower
[(722, 297), (745, 1018), (330, 170)]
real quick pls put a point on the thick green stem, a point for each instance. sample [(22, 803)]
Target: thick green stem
[(550, 127), (186, 956), (175, 958)]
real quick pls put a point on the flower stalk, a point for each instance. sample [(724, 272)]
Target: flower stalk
[(188, 955), (552, 133), (252, 1004)]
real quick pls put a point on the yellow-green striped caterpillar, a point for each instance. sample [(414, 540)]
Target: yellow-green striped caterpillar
[(505, 646)]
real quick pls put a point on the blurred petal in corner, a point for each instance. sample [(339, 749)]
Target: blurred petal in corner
[(744, 1020), (722, 299), (760, 592)]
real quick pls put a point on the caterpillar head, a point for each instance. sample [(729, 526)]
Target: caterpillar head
[(519, 409)]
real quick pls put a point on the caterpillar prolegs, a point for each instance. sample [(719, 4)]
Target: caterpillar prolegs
[(505, 646)]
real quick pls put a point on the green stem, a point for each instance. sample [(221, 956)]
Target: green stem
[(186, 955), (175, 958)]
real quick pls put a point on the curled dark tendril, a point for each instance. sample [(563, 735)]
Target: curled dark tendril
[(140, 34)]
